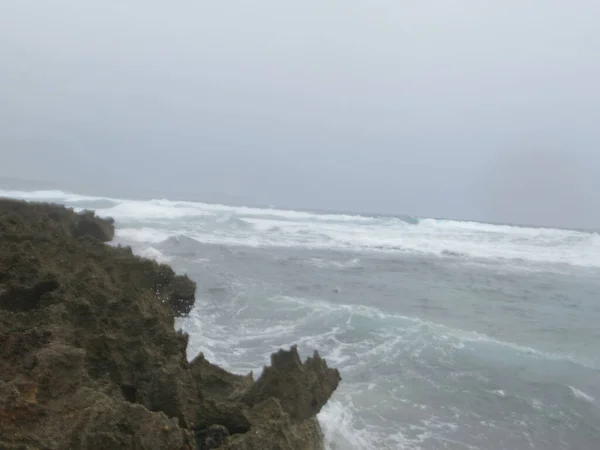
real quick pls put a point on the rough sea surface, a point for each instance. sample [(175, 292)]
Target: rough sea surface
[(448, 335)]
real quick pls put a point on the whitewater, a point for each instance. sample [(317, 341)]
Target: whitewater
[(448, 334)]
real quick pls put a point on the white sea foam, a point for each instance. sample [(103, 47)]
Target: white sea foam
[(341, 430), (341, 419), (399, 325), (329, 263), (152, 253), (261, 227), (142, 235), (48, 195), (344, 430), (152, 209), (582, 395)]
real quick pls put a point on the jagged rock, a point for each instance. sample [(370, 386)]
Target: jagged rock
[(90, 359), (173, 391), (219, 394), (283, 402), (272, 429), (182, 295), (302, 389), (102, 422), (90, 225)]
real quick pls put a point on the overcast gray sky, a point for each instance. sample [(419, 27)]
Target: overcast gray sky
[(454, 108)]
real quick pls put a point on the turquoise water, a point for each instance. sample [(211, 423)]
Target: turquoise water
[(449, 335)]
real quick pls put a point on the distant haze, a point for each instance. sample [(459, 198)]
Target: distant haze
[(465, 109)]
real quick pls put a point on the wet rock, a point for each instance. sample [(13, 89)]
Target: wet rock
[(182, 295), (178, 291), (102, 422), (211, 437), (302, 388), (219, 394), (90, 225), (173, 391), (273, 429), (19, 297)]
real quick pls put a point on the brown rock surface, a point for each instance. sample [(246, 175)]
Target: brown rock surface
[(317, 380), (90, 359)]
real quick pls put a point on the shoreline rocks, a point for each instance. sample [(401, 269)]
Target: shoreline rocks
[(90, 358)]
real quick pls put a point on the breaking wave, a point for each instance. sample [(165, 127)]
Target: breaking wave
[(582, 395), (153, 221)]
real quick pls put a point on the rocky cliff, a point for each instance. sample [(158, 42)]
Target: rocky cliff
[(90, 359)]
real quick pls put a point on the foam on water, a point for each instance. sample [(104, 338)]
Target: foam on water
[(49, 195), (157, 255), (151, 210), (142, 235), (345, 264), (377, 338), (582, 395), (454, 337), (499, 393), (342, 432), (231, 225)]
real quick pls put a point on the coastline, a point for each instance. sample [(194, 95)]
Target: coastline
[(91, 357)]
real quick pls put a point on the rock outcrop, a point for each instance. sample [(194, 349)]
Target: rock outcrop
[(90, 359)]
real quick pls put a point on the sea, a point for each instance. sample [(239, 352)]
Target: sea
[(447, 334)]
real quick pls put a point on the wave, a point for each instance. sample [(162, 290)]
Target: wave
[(453, 253), (157, 255), (143, 235), (310, 236), (582, 395), (490, 228), (454, 337), (353, 263), (387, 342), (260, 227), (342, 432), (49, 195), (148, 209)]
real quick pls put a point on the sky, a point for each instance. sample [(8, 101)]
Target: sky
[(481, 110)]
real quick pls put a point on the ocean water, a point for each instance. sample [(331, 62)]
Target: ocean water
[(448, 334)]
